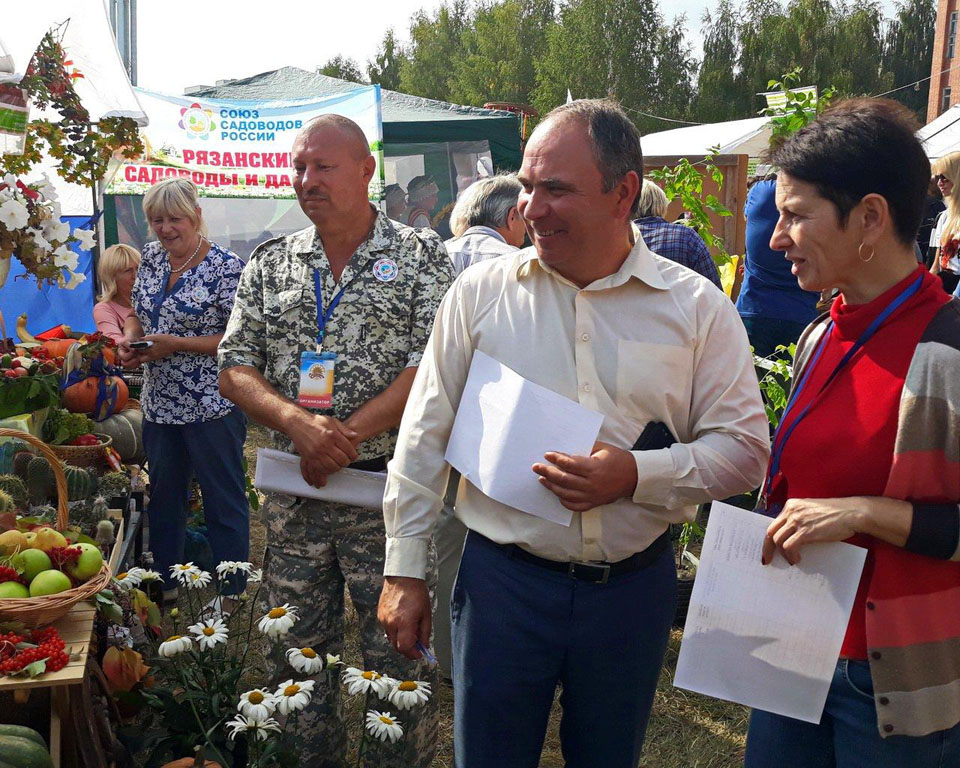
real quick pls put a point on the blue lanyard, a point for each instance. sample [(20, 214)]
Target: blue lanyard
[(780, 441), (323, 317)]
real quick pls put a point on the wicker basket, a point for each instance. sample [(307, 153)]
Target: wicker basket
[(38, 611), (85, 455)]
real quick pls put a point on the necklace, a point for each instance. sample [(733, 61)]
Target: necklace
[(185, 264)]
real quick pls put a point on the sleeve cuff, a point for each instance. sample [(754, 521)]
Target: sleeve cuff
[(233, 359), (406, 557), (935, 531), (655, 476)]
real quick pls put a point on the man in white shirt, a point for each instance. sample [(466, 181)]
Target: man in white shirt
[(595, 316), (485, 221)]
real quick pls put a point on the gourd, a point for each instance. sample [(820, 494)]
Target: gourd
[(24, 753), (23, 732), (126, 431), (82, 396), (15, 487), (58, 347)]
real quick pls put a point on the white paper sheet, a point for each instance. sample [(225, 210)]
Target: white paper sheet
[(279, 472), (504, 425), (767, 636)]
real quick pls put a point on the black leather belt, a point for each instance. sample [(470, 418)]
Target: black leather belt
[(596, 573), (378, 464)]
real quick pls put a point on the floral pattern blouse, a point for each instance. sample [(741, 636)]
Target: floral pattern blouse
[(182, 388)]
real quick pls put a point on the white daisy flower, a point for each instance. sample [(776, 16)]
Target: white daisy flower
[(13, 215), (334, 660), (86, 238), (278, 621), (292, 697), (232, 566), (257, 704), (198, 580), (182, 571), (262, 728), (127, 580), (174, 644), (256, 576), (151, 576), (305, 660), (210, 632), (409, 694), (384, 726), (361, 681)]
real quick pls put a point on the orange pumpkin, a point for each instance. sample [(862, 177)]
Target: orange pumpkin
[(58, 347), (82, 396)]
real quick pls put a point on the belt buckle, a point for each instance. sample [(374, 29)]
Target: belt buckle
[(604, 578)]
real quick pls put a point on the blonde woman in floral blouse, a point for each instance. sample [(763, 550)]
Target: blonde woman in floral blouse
[(183, 296), (944, 238)]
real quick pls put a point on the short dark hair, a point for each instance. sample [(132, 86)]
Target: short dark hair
[(616, 140), (861, 147)]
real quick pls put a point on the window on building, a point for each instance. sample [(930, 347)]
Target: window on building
[(952, 35), (945, 100)]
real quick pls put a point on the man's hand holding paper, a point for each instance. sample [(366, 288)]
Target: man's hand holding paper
[(584, 482)]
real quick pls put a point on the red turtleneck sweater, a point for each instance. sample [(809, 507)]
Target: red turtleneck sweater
[(844, 446)]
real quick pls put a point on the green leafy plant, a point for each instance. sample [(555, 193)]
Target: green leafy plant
[(62, 426), (775, 381), (800, 108), (684, 182)]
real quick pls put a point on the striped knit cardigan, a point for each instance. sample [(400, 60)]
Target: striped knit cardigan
[(913, 599)]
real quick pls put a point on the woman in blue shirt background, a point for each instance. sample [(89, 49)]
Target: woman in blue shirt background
[(774, 308), (183, 296)]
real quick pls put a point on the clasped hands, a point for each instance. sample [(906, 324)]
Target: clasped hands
[(325, 444)]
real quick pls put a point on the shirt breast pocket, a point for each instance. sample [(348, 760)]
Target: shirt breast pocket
[(654, 382)]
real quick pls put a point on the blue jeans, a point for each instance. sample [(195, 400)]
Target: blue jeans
[(847, 736), (211, 451), (519, 629)]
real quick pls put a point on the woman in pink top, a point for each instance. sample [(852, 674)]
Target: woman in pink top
[(117, 270)]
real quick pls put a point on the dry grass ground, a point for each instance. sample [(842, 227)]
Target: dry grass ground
[(686, 730)]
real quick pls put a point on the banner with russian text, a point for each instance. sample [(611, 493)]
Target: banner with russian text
[(238, 148)]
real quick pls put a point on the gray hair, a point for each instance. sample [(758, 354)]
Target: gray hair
[(616, 140), (485, 203), (653, 201)]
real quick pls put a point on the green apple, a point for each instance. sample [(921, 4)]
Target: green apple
[(49, 583), (88, 564), (13, 589), (30, 562)]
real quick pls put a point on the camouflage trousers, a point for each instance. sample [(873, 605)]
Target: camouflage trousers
[(314, 549)]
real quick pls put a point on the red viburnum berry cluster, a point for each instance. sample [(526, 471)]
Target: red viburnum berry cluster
[(9, 574), (43, 644), (61, 556)]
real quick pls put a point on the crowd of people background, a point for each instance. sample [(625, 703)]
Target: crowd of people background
[(615, 307)]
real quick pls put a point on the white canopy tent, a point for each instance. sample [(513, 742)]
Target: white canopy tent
[(734, 137), (104, 90), (942, 135)]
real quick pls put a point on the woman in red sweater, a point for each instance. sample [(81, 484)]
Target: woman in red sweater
[(868, 450)]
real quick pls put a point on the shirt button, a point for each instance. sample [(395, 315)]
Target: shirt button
[(584, 337), (587, 387), (870, 605), (888, 728), (884, 700), (875, 655)]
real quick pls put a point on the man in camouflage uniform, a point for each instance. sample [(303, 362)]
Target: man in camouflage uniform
[(391, 279)]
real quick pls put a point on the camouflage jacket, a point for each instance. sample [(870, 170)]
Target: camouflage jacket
[(394, 283)]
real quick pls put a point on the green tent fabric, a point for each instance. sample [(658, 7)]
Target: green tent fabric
[(406, 119)]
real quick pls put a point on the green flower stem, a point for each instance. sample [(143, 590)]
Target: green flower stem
[(206, 734)]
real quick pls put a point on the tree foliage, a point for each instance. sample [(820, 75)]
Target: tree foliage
[(534, 51), (343, 68)]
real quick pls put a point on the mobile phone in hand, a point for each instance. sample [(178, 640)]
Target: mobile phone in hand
[(141, 344)]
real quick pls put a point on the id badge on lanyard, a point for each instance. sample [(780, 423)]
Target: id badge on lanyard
[(317, 369)]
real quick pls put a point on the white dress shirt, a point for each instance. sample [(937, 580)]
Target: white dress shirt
[(475, 245), (653, 342)]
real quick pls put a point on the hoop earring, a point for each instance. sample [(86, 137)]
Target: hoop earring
[(860, 253)]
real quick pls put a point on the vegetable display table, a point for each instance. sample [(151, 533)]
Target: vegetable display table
[(73, 681)]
